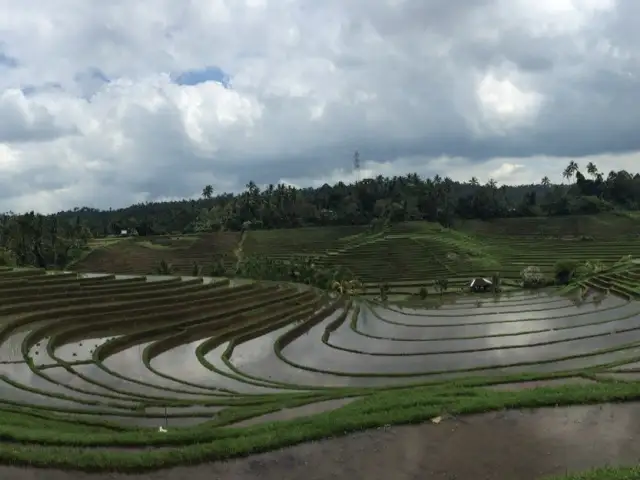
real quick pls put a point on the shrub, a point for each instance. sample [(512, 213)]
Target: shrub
[(7, 258), (217, 267), (164, 268), (532, 277), (384, 290), (423, 292), (196, 270), (589, 268), (441, 284), (564, 270)]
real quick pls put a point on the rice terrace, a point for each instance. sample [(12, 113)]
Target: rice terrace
[(147, 371)]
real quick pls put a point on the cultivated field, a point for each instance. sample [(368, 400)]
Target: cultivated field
[(607, 226), (142, 256), (233, 368), (410, 254)]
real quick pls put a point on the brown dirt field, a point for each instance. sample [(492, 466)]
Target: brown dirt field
[(513, 444)]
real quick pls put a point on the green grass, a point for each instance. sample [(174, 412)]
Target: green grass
[(60, 441), (607, 473)]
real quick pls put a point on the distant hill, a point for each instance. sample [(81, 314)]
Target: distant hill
[(407, 252)]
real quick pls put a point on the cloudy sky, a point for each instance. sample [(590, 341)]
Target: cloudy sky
[(107, 103)]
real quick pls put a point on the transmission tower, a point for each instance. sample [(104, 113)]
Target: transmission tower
[(356, 165)]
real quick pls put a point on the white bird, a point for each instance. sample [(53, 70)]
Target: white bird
[(161, 430)]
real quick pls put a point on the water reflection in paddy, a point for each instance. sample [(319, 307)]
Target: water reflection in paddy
[(369, 323), (310, 351), (181, 362)]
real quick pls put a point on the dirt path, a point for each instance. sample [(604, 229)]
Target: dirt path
[(521, 445)]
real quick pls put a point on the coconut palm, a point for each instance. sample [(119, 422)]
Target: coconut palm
[(207, 192), (571, 170)]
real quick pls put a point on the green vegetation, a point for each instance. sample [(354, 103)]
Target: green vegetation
[(136, 237), (366, 301)]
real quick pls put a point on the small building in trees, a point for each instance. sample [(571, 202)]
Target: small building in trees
[(480, 284)]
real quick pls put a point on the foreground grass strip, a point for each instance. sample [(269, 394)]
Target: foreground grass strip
[(607, 473), (397, 407)]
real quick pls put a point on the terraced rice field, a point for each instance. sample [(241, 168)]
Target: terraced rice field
[(603, 226), (404, 259), (103, 361), (142, 256), (300, 241), (410, 253), (516, 253)]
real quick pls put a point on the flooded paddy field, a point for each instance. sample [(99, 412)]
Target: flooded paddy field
[(137, 343), (134, 354), (195, 346)]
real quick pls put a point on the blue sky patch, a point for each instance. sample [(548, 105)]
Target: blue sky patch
[(8, 61), (28, 90), (92, 74), (202, 75)]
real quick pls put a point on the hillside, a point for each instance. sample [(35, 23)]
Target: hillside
[(604, 225), (143, 255), (408, 252)]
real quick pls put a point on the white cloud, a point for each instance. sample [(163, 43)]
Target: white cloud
[(486, 88)]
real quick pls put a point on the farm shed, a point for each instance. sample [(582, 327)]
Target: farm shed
[(480, 284)]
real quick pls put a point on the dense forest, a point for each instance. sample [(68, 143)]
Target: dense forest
[(40, 240)]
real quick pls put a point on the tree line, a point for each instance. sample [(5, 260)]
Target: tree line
[(34, 239)]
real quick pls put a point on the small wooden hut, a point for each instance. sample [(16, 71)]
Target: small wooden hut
[(480, 284)]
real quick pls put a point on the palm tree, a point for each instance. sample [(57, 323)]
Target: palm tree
[(545, 182), (474, 182), (592, 169), (571, 170), (207, 192)]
